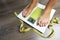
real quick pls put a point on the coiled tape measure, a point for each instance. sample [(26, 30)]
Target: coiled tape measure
[(32, 21)]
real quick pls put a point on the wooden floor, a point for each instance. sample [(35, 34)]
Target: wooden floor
[(9, 26)]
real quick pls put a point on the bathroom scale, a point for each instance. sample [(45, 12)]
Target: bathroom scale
[(34, 15)]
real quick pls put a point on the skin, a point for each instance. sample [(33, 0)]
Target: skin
[(45, 18)]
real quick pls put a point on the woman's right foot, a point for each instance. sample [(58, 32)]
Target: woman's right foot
[(26, 11)]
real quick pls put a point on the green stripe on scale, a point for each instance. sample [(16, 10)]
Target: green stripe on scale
[(36, 13)]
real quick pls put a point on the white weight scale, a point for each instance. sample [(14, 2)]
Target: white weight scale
[(32, 18)]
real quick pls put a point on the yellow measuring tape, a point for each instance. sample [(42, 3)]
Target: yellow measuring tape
[(23, 29)]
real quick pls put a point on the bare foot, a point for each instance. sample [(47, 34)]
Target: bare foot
[(43, 20), (26, 11)]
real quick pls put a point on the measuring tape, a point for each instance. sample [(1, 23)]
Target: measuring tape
[(23, 29)]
